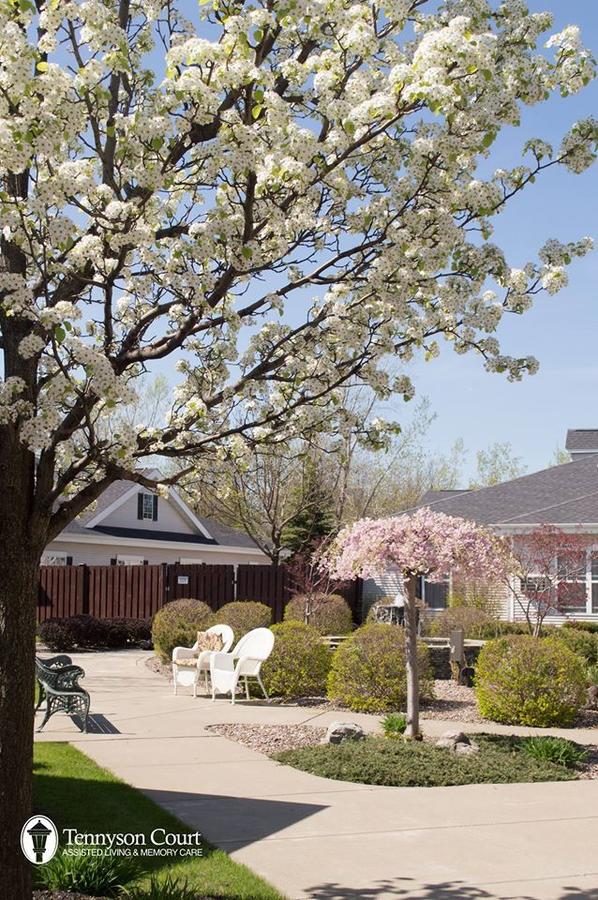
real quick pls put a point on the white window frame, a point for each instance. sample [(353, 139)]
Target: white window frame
[(123, 560), (54, 558), (589, 581), (147, 507)]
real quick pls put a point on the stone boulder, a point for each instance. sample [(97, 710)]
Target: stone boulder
[(592, 697), (457, 742), (339, 732)]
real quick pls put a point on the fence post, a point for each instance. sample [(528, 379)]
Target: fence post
[(166, 584), (85, 591)]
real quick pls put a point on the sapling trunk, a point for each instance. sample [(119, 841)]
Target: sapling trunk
[(412, 730)]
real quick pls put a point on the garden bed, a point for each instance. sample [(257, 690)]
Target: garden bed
[(396, 763), (271, 739)]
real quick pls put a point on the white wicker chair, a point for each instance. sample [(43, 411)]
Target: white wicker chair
[(188, 674), (245, 661)]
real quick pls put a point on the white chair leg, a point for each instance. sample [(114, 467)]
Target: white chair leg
[(246, 688), (174, 670), (261, 684), (195, 688), (206, 678)]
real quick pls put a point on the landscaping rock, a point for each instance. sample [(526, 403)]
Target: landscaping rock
[(592, 700), (468, 749), (339, 732), (450, 738)]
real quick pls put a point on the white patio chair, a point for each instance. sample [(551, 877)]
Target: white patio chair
[(245, 661), (185, 672)]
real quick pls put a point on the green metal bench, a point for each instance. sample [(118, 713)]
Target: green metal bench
[(58, 682)]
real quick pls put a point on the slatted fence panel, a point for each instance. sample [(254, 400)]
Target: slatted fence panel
[(60, 592), (215, 585), (266, 584), (132, 591)]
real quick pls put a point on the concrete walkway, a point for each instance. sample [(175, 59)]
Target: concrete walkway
[(316, 838)]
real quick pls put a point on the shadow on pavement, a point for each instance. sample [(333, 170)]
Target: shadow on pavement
[(237, 821)]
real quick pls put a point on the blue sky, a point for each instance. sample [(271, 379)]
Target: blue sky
[(561, 331)]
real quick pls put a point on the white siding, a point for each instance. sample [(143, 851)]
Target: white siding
[(101, 554), (169, 517)]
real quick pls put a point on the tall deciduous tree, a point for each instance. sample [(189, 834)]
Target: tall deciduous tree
[(425, 544), (170, 187)]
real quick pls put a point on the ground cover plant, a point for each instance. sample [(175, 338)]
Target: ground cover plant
[(88, 632), (76, 793), (377, 760)]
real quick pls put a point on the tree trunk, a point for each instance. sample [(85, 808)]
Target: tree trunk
[(412, 730), (19, 561)]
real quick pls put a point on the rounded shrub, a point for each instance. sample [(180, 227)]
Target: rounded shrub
[(368, 672), (584, 643), (522, 680), (329, 613), (477, 624), (177, 624), (243, 616), (58, 634), (299, 662)]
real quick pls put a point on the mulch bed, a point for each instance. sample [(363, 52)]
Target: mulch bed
[(61, 895)]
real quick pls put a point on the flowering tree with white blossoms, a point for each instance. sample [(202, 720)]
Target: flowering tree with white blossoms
[(172, 188), (424, 544)]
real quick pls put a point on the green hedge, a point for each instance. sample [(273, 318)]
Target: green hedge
[(522, 680), (177, 624), (299, 662), (368, 672)]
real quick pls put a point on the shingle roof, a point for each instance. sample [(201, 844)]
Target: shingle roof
[(565, 494), (222, 534), (582, 439), (433, 496)]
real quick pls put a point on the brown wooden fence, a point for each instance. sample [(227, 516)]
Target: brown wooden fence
[(139, 591)]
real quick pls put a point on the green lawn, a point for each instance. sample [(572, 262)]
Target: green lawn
[(383, 761), (77, 793)]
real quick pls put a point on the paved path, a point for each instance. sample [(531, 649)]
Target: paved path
[(329, 840)]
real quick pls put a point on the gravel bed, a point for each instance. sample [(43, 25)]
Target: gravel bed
[(271, 739)]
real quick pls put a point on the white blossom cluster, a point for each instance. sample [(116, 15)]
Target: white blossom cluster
[(288, 199)]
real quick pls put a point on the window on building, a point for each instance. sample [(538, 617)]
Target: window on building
[(130, 561), (594, 579), (56, 558), (572, 588), (147, 507)]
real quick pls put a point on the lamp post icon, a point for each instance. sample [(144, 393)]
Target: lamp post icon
[(39, 836)]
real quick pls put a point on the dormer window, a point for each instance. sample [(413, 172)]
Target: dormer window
[(147, 507)]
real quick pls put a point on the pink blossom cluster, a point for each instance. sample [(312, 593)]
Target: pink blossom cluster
[(422, 543)]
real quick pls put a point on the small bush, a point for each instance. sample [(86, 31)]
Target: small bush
[(167, 888), (299, 662), (556, 750), (584, 643), (57, 634), (477, 624), (125, 632), (89, 631), (521, 680), (243, 616), (329, 613), (368, 672), (592, 627), (394, 725), (593, 675), (97, 876), (177, 624)]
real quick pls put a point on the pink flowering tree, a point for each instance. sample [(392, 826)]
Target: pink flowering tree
[(428, 544)]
